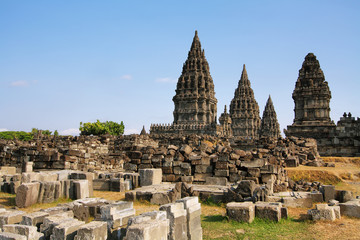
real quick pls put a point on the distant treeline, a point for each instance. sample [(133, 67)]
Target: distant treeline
[(25, 136)]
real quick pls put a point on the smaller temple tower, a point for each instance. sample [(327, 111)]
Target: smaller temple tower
[(225, 124), (312, 102), (269, 124), (244, 110)]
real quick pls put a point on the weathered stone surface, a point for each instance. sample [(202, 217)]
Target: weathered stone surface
[(150, 176), (244, 110), (328, 192), (49, 191), (322, 212), (27, 194), (81, 188), (216, 181), (94, 230), (241, 212), (176, 213), (34, 218), (30, 232), (350, 208), (149, 230), (269, 126), (11, 236), (246, 188), (193, 210), (10, 217), (66, 230), (50, 222), (270, 211)]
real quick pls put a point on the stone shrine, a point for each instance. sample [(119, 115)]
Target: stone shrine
[(312, 99), (269, 124), (244, 110)]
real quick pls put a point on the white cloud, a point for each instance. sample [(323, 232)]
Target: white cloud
[(19, 84), (70, 131), (131, 131), (165, 80), (3, 129), (126, 77)]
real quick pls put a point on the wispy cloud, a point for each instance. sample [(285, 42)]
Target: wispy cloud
[(126, 77), (70, 131), (131, 131), (165, 80), (19, 84), (3, 129)]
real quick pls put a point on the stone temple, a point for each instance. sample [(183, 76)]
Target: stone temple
[(312, 102), (244, 110), (269, 124)]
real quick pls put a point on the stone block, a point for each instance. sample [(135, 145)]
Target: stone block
[(328, 192), (11, 236), (322, 212), (241, 211), (34, 218), (150, 176), (10, 217), (51, 221), (317, 196), (246, 188), (268, 211), (345, 196), (94, 230), (117, 185), (222, 181), (27, 194), (66, 230), (176, 213), (256, 163), (101, 184), (336, 210), (350, 208), (292, 161), (30, 232), (81, 189), (49, 191), (193, 210), (221, 173), (149, 230)]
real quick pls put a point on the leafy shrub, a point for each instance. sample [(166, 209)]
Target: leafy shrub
[(100, 128), (20, 135)]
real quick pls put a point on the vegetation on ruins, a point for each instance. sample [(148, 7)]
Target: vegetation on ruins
[(20, 135), (101, 128)]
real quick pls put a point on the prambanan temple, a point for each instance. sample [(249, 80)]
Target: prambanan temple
[(196, 108)]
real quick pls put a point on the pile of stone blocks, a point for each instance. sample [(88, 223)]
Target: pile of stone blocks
[(247, 211), (115, 182), (325, 212), (9, 179)]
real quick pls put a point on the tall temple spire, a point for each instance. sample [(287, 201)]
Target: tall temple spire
[(195, 100), (269, 124), (244, 110)]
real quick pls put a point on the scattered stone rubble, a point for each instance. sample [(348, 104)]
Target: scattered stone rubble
[(111, 220)]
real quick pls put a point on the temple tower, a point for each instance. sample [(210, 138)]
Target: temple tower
[(269, 124), (225, 124), (244, 110), (312, 99), (195, 101)]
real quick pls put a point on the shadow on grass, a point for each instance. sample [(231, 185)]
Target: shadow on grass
[(214, 218), (7, 201)]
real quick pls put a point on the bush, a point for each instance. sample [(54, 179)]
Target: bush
[(20, 135), (100, 128)]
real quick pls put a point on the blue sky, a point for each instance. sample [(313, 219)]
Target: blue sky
[(63, 62)]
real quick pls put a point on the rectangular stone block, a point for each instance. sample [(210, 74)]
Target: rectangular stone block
[(222, 181), (178, 223), (11, 236), (193, 210), (34, 218), (10, 217), (94, 230), (268, 211), (81, 188), (241, 212), (350, 208), (328, 192), (30, 232), (27, 194), (150, 176), (149, 230), (256, 163), (101, 184), (66, 230)]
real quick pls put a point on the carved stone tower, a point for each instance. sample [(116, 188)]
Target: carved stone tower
[(195, 101), (269, 124), (244, 110), (225, 124), (312, 99)]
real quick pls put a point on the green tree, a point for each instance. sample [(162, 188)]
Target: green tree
[(100, 128)]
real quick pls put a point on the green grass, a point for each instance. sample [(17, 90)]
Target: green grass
[(218, 227)]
